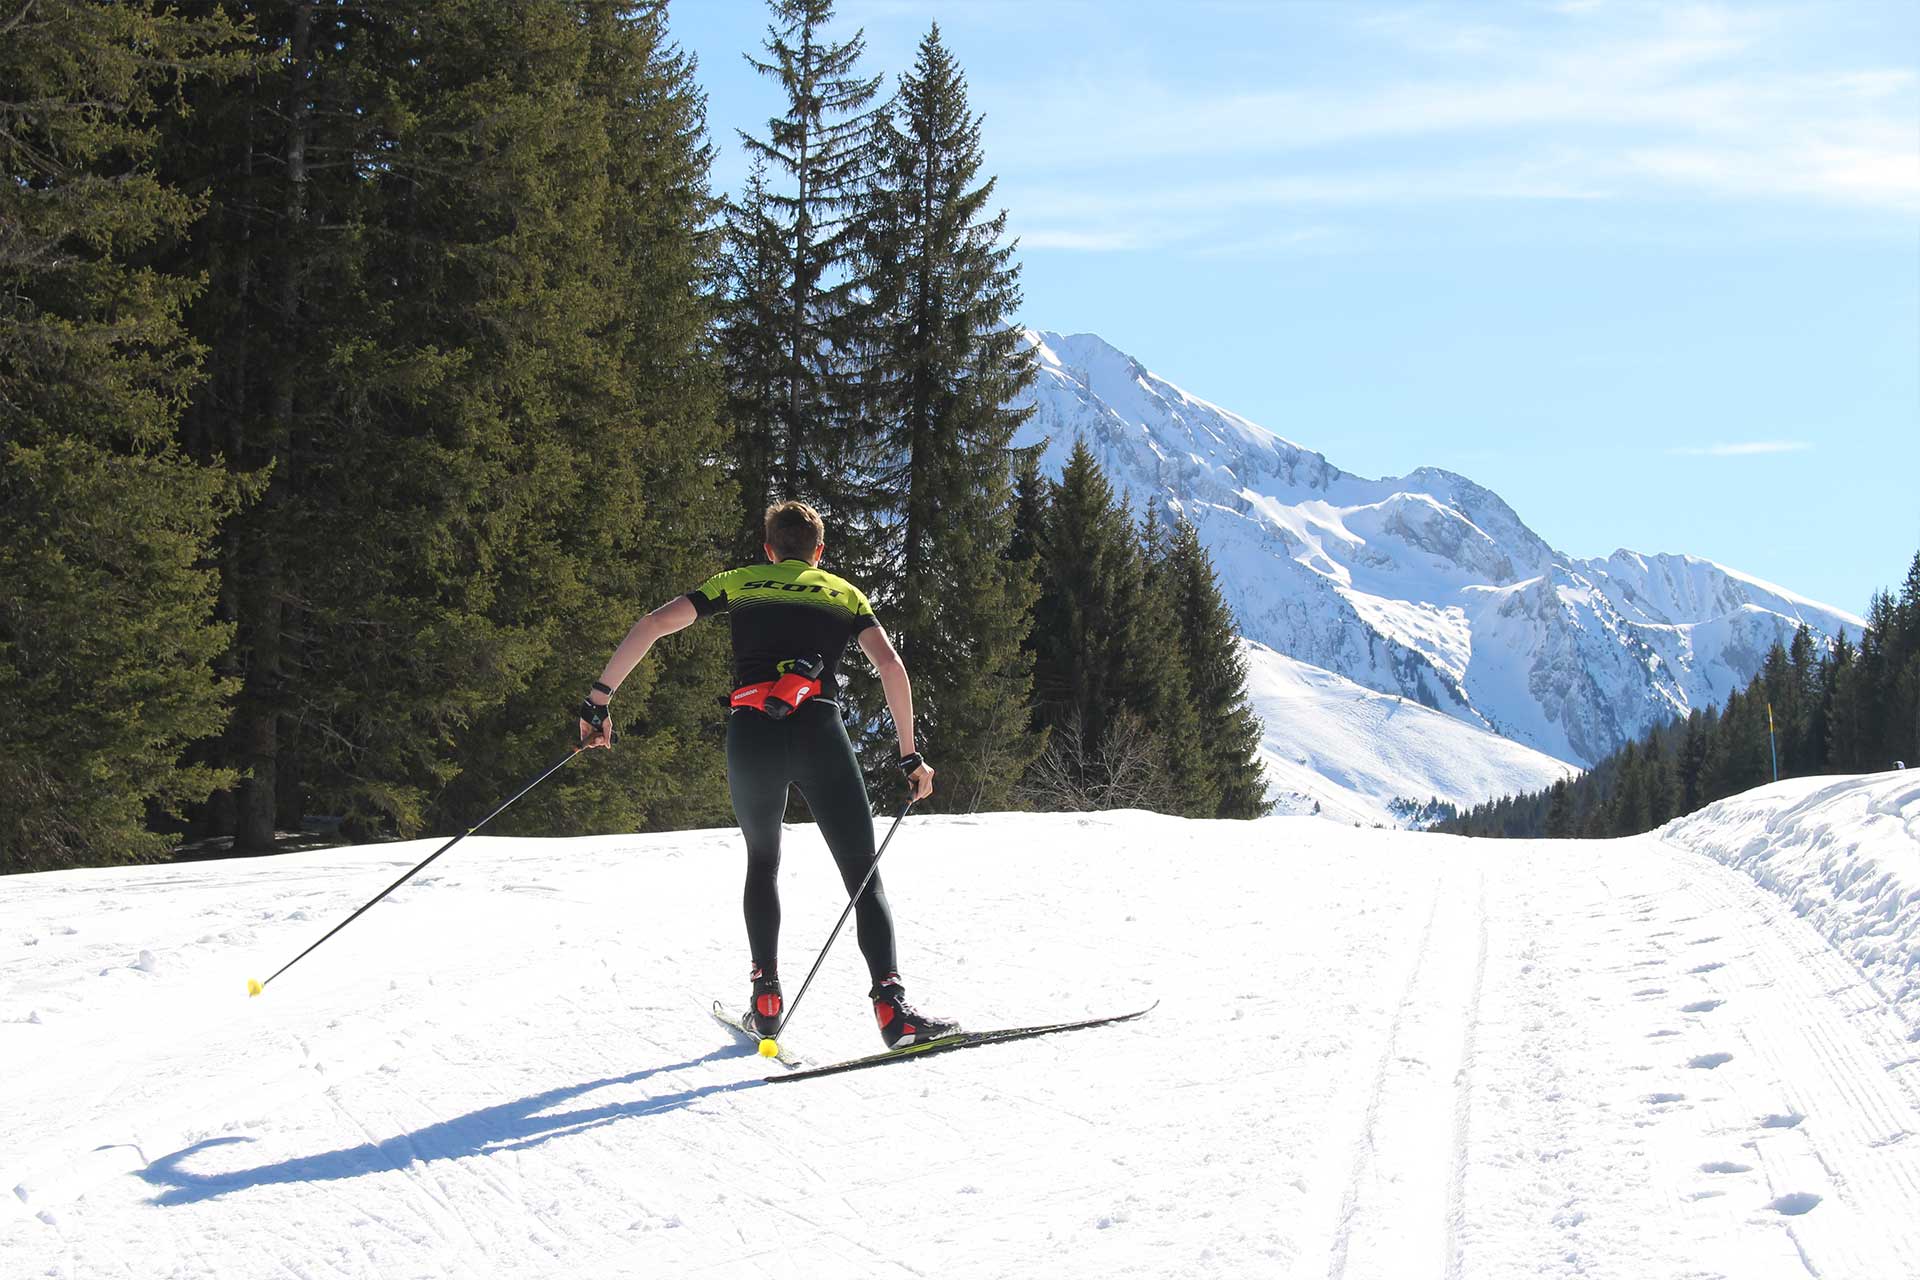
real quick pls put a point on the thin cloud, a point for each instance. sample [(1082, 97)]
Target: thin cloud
[(1691, 99), (1744, 449)]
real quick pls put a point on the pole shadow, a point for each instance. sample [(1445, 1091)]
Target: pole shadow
[(507, 1126)]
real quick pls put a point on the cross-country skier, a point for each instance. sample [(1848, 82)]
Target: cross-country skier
[(791, 621)]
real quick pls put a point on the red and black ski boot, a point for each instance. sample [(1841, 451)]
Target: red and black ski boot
[(900, 1023), (763, 1016)]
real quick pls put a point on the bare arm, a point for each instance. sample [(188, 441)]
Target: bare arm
[(675, 615), (899, 691)]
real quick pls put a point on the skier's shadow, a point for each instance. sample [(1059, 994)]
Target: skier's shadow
[(509, 1126)]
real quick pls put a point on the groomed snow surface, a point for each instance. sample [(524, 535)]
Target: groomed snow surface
[(1378, 1054)]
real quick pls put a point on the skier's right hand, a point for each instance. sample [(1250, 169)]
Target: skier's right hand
[(596, 723), (919, 776)]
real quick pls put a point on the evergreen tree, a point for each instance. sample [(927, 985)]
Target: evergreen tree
[(470, 348), (821, 153), (1217, 678), (940, 363), (1903, 658), (1084, 630), (751, 343), (1559, 812), (1876, 672), (1162, 686), (1029, 506), (1692, 759), (1630, 810), (1841, 693), (645, 510), (107, 629), (283, 289)]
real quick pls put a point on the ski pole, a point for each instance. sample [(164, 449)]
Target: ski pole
[(873, 866), (255, 988)]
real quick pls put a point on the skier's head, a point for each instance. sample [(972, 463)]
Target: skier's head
[(795, 532)]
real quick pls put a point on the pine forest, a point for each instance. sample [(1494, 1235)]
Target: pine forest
[(367, 368)]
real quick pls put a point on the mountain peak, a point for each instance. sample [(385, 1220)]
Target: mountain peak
[(1412, 585)]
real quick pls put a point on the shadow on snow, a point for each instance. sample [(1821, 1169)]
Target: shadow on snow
[(510, 1126)]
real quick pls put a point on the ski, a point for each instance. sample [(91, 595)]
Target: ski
[(959, 1040), (733, 1022)]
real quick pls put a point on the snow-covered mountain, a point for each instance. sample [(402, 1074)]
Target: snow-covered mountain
[(1350, 754), (1427, 585)]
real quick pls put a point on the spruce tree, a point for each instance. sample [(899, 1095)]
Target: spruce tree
[(940, 363), (1560, 821), (820, 153), (1217, 678), (1089, 685), (1160, 684), (645, 510), (1842, 710), (754, 295), (470, 347), (107, 627), (277, 154)]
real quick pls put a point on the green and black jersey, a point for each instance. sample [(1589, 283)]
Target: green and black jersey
[(784, 611)]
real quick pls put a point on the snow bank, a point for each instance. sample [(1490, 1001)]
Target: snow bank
[(1842, 852)]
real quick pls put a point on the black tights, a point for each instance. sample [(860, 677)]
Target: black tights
[(809, 750)]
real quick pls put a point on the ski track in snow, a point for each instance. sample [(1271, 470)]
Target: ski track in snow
[(1379, 1056)]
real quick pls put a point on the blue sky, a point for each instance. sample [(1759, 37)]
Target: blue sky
[(1649, 271)]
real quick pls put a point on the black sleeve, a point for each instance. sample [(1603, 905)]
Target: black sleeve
[(706, 606)]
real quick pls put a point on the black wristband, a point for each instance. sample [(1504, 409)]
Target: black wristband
[(910, 763), (601, 688)]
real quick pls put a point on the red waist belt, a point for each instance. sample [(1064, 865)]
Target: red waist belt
[(777, 698)]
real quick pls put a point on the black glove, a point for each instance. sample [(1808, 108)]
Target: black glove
[(595, 713)]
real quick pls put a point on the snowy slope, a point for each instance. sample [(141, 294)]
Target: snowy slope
[(1425, 585), (1347, 752), (1844, 856), (1379, 1055)]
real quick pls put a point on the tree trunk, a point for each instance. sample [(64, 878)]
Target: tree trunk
[(259, 801)]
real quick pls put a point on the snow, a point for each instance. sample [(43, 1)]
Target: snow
[(1845, 856), (1351, 751), (1379, 1054), (1426, 586)]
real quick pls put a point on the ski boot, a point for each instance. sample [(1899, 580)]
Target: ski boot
[(763, 1015), (900, 1023)]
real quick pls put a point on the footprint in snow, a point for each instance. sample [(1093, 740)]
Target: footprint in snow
[(1785, 1120), (1647, 992), (1661, 1099), (1701, 941), (1725, 1166), (1702, 1006), (1794, 1203), (1708, 1061), (1707, 968)]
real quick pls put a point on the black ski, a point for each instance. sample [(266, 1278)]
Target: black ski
[(960, 1040), (733, 1023)]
